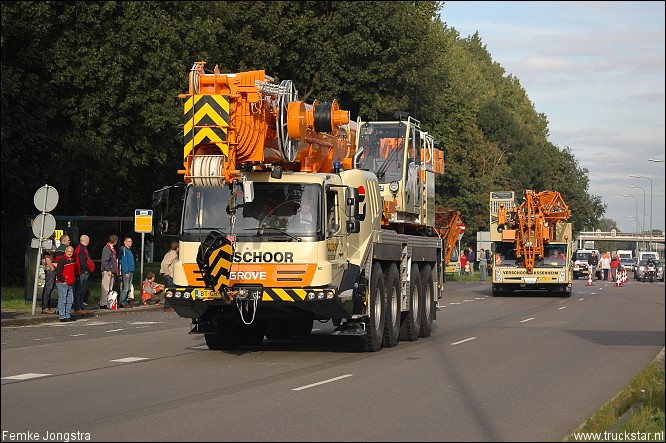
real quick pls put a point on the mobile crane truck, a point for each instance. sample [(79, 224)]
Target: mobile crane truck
[(254, 262), (531, 243)]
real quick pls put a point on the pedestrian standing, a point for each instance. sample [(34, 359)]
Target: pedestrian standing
[(60, 250), (127, 267), (592, 263), (483, 264), (463, 264), (605, 263), (166, 269), (615, 264), (471, 259), (49, 283), (65, 281), (109, 268), (84, 266)]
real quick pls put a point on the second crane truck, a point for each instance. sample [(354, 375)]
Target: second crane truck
[(531, 243)]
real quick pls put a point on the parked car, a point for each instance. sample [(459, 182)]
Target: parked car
[(640, 270), (628, 264)]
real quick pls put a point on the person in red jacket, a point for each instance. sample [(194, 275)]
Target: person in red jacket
[(65, 281), (615, 263), (83, 267)]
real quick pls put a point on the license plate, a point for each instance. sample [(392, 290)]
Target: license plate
[(204, 293), (530, 280)]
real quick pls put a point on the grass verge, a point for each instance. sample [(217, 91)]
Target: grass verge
[(634, 414)]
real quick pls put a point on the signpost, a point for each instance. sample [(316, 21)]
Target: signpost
[(46, 198), (143, 223)]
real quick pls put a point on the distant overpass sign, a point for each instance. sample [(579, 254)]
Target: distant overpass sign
[(143, 220)]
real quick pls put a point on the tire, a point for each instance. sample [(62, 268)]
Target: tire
[(411, 320), (496, 291), (252, 334), (301, 327), (392, 307), (278, 329), (221, 342), (374, 325), (427, 303)]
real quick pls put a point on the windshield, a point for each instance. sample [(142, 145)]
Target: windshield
[(382, 148), (281, 211), (583, 255), (504, 255)]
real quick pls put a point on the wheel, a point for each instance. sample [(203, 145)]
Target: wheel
[(392, 307), (427, 301), (496, 290), (220, 342), (252, 334), (278, 329), (374, 325), (411, 320), (651, 277), (301, 327)]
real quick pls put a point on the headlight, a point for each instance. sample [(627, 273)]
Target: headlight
[(394, 186)]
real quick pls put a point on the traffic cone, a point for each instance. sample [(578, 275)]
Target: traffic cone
[(589, 279)]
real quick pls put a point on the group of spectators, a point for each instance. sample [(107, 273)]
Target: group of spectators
[(68, 269), (606, 263), (468, 260)]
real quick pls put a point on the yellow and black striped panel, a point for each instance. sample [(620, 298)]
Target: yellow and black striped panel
[(206, 119), (220, 263), (289, 295)]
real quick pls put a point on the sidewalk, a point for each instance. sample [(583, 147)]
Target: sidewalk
[(22, 317)]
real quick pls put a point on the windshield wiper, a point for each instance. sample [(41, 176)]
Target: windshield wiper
[(260, 231)]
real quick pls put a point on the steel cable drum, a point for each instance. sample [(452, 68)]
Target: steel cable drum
[(322, 118), (287, 146), (206, 170)]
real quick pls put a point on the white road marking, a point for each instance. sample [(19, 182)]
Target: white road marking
[(322, 382), (527, 319), (27, 376), (463, 341), (129, 359)]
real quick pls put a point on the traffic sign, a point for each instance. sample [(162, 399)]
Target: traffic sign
[(44, 225), (46, 198), (462, 228), (143, 220)]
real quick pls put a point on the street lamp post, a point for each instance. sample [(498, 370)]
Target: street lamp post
[(643, 189), (648, 178)]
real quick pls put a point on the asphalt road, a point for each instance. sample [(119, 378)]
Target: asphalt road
[(520, 368)]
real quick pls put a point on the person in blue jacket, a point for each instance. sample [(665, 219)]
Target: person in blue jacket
[(127, 267)]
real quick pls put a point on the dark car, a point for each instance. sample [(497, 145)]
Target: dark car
[(642, 265), (627, 264)]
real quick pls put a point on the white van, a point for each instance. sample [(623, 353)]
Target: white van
[(648, 254), (625, 253)]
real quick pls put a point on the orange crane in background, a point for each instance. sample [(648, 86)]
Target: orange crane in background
[(448, 226)]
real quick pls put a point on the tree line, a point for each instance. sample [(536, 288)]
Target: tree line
[(90, 98)]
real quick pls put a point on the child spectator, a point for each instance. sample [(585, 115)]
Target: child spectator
[(151, 292)]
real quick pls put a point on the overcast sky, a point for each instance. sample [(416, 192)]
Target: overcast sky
[(596, 70)]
